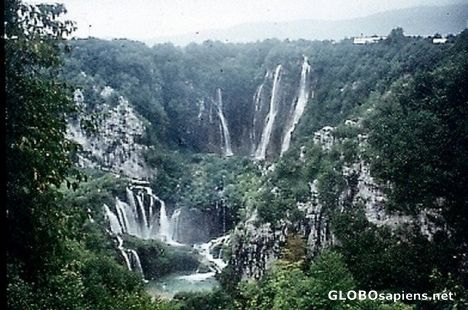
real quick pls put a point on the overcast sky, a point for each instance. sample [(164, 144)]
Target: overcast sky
[(144, 19)]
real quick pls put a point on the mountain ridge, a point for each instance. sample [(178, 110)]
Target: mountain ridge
[(425, 21)]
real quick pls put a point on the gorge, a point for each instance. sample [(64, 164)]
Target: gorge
[(235, 175), (259, 123)]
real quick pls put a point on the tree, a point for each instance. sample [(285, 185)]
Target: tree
[(418, 141), (37, 152)]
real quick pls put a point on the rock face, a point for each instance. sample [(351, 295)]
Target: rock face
[(256, 245), (254, 248), (113, 145), (317, 222), (324, 137), (255, 117), (196, 226)]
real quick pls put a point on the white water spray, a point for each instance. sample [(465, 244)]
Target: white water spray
[(164, 223), (175, 223), (113, 221)]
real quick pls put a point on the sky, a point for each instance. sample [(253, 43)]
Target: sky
[(146, 19)]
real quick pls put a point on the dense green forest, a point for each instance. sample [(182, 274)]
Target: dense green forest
[(370, 195)]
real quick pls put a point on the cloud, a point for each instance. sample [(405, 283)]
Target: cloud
[(142, 19)]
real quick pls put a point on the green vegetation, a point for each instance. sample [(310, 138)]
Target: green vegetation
[(56, 258), (408, 96), (159, 259), (290, 286), (213, 185)]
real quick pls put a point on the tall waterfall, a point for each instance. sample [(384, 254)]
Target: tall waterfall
[(302, 99), (257, 100), (226, 135), (270, 119)]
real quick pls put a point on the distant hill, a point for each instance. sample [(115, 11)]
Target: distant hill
[(450, 19)]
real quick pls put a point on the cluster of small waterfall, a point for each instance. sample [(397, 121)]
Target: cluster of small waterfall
[(143, 215), (205, 249), (214, 262)]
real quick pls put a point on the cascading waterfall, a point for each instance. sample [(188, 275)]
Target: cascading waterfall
[(141, 217), (205, 250), (132, 260), (113, 220), (124, 252), (164, 223), (270, 119), (226, 135), (302, 99), (175, 223), (136, 260), (127, 218)]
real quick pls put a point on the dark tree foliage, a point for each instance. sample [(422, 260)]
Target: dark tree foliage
[(50, 258), (419, 139), (57, 259), (419, 144), (37, 153)]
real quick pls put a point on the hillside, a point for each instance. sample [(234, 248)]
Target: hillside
[(423, 21), (234, 175)]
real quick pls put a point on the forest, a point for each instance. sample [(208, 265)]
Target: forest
[(266, 173)]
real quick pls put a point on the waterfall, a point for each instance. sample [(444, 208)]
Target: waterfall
[(124, 252), (257, 100), (144, 220), (201, 109), (205, 250), (113, 221), (175, 223), (136, 260), (164, 223), (226, 136), (270, 119), (127, 216), (130, 260), (141, 218), (302, 99)]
